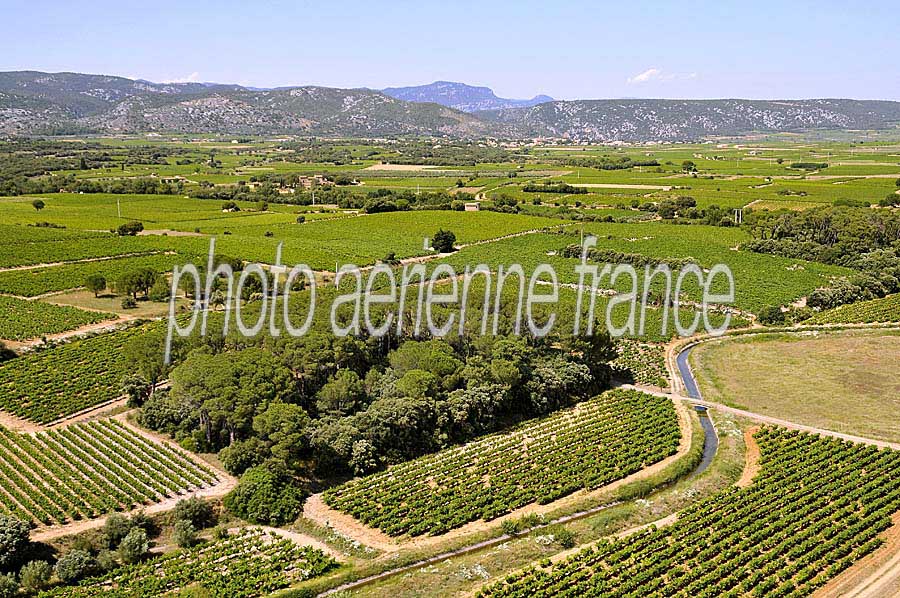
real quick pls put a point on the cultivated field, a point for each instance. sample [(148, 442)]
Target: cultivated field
[(841, 381)]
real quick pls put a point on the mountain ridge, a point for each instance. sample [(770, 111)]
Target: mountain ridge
[(37, 103), (461, 96)]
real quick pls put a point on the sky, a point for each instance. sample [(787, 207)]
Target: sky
[(568, 50)]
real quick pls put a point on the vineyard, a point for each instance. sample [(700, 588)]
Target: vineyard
[(46, 385), (250, 563), (886, 309), (22, 320), (38, 281), (817, 507), (599, 441), (86, 470), (645, 363)]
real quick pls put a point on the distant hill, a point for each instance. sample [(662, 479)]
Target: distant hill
[(34, 103), (684, 120), (40, 103), (460, 96)]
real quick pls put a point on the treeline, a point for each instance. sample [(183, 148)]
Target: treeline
[(554, 187), (862, 239), (609, 163)]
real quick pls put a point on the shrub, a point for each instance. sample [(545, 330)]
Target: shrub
[(115, 528), (134, 547), (185, 534), (564, 536), (9, 587), (35, 576), (159, 292), (443, 241), (106, 560), (130, 229), (74, 566), (129, 303), (195, 511), (13, 540), (267, 495), (771, 314)]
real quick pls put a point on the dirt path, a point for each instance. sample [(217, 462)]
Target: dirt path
[(303, 540), (316, 510), (751, 466)]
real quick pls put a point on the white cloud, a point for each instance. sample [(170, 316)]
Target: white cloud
[(192, 78), (655, 74), (647, 75)]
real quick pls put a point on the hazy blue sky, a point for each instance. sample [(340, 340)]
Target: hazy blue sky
[(719, 48)]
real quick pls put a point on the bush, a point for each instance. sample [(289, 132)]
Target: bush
[(220, 532), (116, 527), (74, 566), (195, 511), (443, 241), (35, 576), (134, 547), (185, 534), (106, 560), (129, 303), (771, 314), (266, 495), (9, 587), (130, 229), (564, 536), (13, 540), (159, 292)]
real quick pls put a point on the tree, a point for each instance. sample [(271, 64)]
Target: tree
[(897, 182), (283, 426), (194, 511), (13, 540), (38, 205), (145, 354), (266, 495), (184, 534), (229, 389), (136, 388), (35, 576), (134, 546), (688, 166), (344, 394), (95, 283), (130, 229), (443, 241), (75, 565), (137, 281)]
